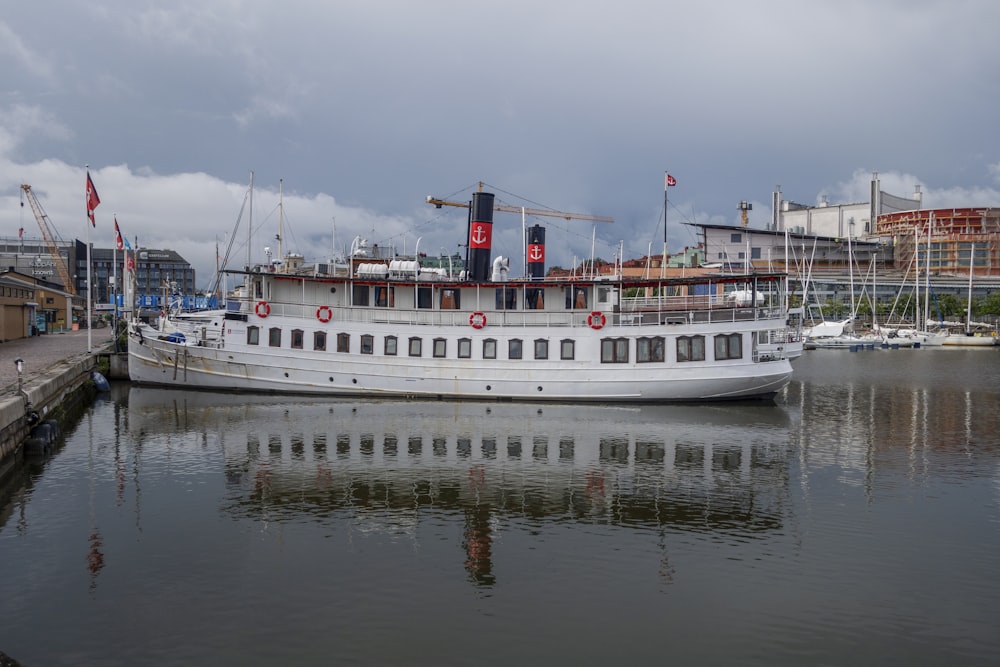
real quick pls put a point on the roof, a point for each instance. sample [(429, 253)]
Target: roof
[(774, 232)]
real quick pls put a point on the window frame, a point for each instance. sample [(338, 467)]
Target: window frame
[(653, 348), (614, 350), (687, 348), (439, 348), (728, 346)]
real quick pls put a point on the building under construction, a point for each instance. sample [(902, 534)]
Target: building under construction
[(945, 241)]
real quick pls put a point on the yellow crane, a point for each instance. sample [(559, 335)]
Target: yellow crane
[(438, 203), (50, 238)]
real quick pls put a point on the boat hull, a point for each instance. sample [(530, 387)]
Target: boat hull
[(157, 360)]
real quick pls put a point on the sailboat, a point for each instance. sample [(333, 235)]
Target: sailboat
[(975, 334)]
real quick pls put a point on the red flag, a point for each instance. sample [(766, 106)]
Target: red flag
[(92, 200), (671, 180), (119, 243)]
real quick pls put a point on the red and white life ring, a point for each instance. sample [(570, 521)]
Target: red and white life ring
[(596, 320), (477, 320), (263, 309), (324, 314)]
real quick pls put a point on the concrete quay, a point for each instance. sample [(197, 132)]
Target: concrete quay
[(55, 366)]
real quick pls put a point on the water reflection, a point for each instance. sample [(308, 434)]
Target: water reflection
[(388, 465), (917, 416)]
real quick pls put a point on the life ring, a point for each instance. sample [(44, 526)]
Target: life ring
[(596, 320), (324, 314), (477, 320), (263, 309)]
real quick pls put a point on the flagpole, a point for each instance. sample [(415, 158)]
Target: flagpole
[(89, 322), (114, 290), (663, 264)]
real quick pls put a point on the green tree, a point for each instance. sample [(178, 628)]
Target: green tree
[(991, 304)]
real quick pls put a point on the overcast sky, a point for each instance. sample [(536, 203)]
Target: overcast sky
[(363, 108)]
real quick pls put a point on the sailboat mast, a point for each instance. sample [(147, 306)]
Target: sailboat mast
[(968, 308), (281, 218), (927, 273), (916, 279), (850, 269), (250, 227)]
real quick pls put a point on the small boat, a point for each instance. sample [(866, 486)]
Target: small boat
[(389, 327)]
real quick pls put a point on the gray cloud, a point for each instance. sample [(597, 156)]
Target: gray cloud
[(365, 108)]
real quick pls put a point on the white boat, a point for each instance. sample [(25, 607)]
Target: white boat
[(970, 338), (975, 334), (388, 328)]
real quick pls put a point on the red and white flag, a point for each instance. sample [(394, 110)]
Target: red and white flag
[(119, 243), (671, 181), (92, 200)]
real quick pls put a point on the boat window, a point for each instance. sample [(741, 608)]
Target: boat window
[(506, 298), (534, 299), (514, 348), (360, 295), (343, 342), (567, 348), (416, 347), (298, 337), (729, 346), (576, 298), (425, 297), (650, 349), (274, 337), (367, 344), (691, 348), (541, 348), (464, 348), (451, 299), (390, 346), (440, 348), (614, 350), (490, 348), (253, 335), (385, 297), (319, 340)]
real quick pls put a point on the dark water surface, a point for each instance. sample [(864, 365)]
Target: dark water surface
[(856, 521)]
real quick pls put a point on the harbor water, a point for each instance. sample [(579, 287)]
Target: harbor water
[(856, 520)]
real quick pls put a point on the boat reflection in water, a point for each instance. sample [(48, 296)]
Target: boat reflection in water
[(388, 465)]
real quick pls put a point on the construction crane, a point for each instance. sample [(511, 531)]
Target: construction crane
[(50, 238), (438, 203)]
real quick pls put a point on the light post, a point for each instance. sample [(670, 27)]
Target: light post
[(19, 364)]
